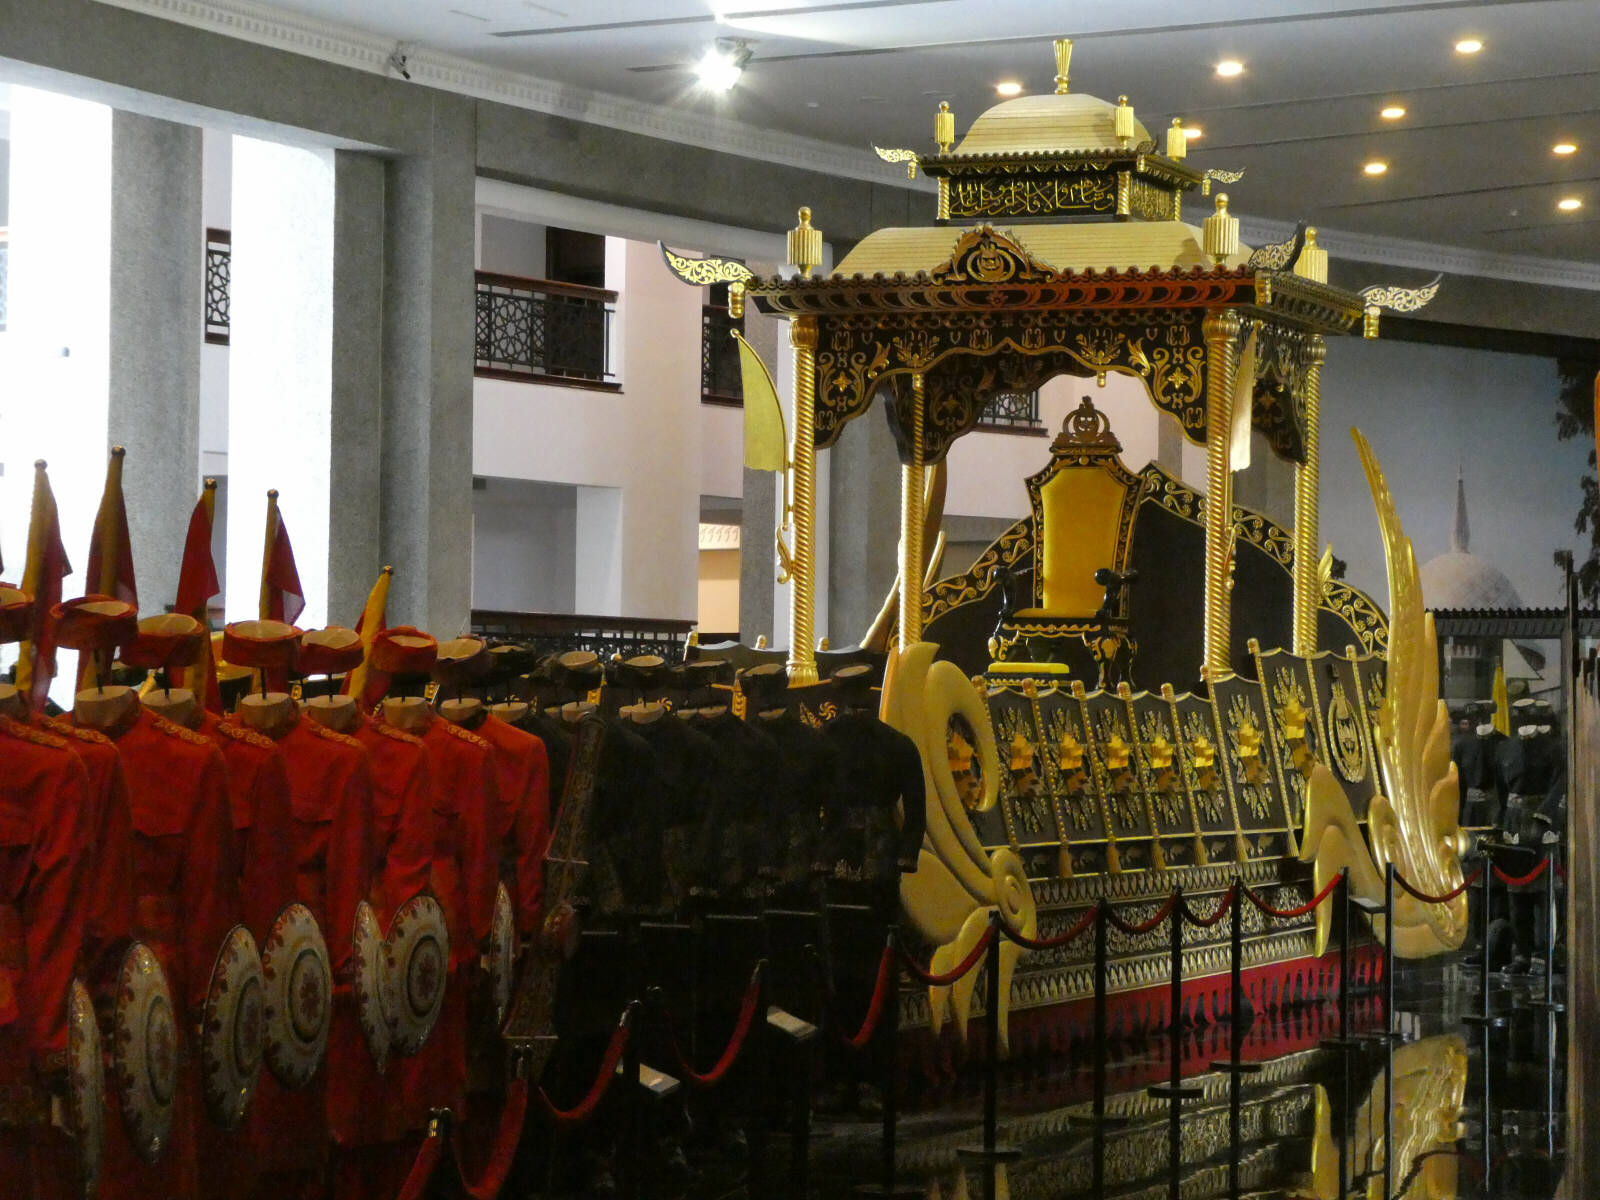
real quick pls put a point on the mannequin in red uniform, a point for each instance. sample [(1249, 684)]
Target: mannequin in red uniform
[(45, 824), (463, 873), (185, 878), (330, 850)]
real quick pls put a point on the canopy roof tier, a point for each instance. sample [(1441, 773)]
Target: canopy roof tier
[(980, 310)]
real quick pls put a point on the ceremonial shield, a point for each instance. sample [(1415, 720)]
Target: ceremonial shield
[(502, 956), (299, 996), (368, 983), (144, 1051), (416, 961), (231, 1029), (86, 1085)]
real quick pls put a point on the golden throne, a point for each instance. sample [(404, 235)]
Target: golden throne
[(1083, 505)]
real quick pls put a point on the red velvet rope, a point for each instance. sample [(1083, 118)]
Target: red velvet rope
[(1448, 896), (1288, 914), (506, 1138), (1060, 939), (422, 1169), (1522, 880), (880, 997), (1223, 906), (949, 977), (1133, 930), (602, 1081), (730, 1052)]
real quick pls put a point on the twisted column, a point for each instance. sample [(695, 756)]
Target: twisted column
[(803, 459), (1307, 480), (1222, 364)]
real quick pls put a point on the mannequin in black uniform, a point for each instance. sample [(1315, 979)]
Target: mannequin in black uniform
[(1533, 763), (809, 784)]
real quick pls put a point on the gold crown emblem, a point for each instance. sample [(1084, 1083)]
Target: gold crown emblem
[(1159, 751), (1202, 751), (1069, 753), (1293, 718), (1117, 753), (1022, 751)]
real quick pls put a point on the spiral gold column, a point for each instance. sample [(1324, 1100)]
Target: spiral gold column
[(911, 484), (1307, 479), (803, 456), (1222, 363)]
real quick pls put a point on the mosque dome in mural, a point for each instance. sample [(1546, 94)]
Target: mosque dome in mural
[(1460, 579)]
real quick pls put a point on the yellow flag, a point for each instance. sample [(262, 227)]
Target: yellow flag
[(1244, 393), (1502, 703), (765, 445), (373, 617)]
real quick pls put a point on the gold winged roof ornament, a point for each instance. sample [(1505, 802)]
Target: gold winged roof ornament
[(909, 157), (1280, 256), (702, 272), (1220, 176), (1401, 299)]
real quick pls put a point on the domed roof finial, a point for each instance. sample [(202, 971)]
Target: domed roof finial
[(1220, 232), (1063, 62), (1177, 140), (944, 127)]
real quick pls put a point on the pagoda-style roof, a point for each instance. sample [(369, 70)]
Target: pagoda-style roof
[(1068, 124), (1123, 246)]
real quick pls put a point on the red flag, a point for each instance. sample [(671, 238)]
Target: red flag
[(42, 574), (197, 583), (110, 569), (281, 597)]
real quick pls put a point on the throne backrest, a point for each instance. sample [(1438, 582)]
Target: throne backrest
[(1083, 506)]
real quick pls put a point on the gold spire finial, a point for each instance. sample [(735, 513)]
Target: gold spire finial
[(1063, 61), (1220, 232), (1177, 140), (805, 245), (1313, 261), (944, 127), (1124, 120)]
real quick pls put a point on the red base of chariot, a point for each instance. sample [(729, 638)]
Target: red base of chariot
[(1294, 1005)]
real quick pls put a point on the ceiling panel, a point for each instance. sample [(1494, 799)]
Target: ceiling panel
[(1470, 163)]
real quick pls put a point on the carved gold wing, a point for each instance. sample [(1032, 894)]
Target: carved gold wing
[(701, 272), (909, 157), (1280, 256), (1221, 176), (1399, 299)]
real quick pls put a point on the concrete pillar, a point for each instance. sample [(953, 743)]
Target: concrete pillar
[(157, 278), (280, 363), (355, 467), (864, 524), (426, 485)]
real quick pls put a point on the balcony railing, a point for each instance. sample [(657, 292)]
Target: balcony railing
[(543, 331), (1012, 412), (550, 633), (720, 381), (5, 262), (219, 276)]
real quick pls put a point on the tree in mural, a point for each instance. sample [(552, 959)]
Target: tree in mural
[(1575, 418)]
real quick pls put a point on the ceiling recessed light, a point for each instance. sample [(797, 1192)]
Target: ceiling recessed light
[(1564, 148), (1008, 87), (1376, 167), (1468, 46), (1393, 113), (1229, 67), (1193, 131), (1569, 204), (722, 64)]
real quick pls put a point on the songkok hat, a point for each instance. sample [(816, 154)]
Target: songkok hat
[(853, 676), (330, 651), (265, 645), (578, 670), (641, 673), (462, 661), (95, 623), (404, 650), (708, 671), (16, 613), (509, 661), (765, 681), (165, 641), (1524, 704)]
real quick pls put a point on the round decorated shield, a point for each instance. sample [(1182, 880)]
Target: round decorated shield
[(368, 983), (144, 1051), (299, 996), (502, 956), (86, 1085), (416, 961), (230, 1029)]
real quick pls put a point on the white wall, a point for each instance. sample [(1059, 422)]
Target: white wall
[(511, 247), (524, 546)]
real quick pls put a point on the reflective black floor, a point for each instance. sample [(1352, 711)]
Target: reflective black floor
[(1476, 1112)]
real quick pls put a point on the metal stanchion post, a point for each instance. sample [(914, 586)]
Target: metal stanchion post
[(1484, 1018), (1100, 1035), (1173, 1089), (632, 1111), (1549, 1003), (756, 1133), (1388, 953), (990, 1149), (1388, 1091), (1344, 906), (889, 1032)]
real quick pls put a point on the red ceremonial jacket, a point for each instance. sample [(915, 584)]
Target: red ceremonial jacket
[(405, 829), (465, 865)]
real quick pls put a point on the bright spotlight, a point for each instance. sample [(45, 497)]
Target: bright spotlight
[(719, 69)]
